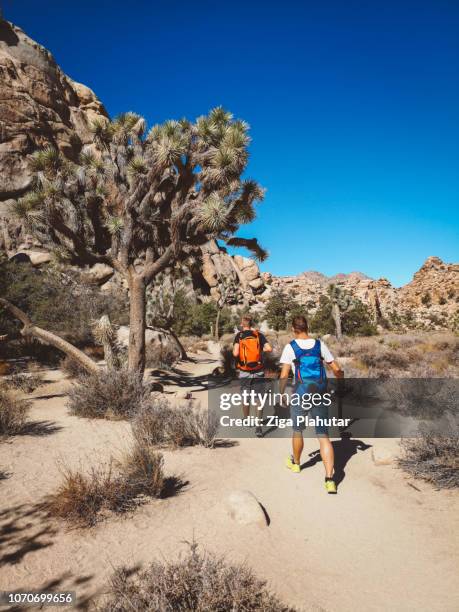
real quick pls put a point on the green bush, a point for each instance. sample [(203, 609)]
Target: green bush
[(65, 303), (281, 308), (355, 320)]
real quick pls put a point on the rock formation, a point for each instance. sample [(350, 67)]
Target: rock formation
[(429, 300), (41, 106)]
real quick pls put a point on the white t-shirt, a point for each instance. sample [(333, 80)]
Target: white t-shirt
[(288, 354)]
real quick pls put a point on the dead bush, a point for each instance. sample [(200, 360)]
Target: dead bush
[(84, 499), (25, 382), (158, 423), (13, 413), (163, 356), (109, 394), (199, 582), (71, 367), (433, 457)]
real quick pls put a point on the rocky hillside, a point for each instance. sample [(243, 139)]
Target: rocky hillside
[(430, 299), (41, 106)]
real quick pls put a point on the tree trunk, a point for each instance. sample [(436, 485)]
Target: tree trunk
[(217, 324), (336, 314), (47, 337), (182, 350), (137, 323)]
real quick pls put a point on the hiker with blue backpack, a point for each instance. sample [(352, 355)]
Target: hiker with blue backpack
[(306, 357)]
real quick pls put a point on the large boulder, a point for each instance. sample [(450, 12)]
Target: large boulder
[(39, 106)]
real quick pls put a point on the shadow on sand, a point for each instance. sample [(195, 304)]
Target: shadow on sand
[(344, 450)]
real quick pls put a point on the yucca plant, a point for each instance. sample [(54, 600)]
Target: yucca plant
[(142, 202)]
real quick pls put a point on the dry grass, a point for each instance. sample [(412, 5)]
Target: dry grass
[(158, 423), (110, 394), (13, 413), (433, 457), (200, 582), (84, 499), (411, 355)]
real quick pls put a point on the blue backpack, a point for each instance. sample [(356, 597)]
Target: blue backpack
[(310, 376)]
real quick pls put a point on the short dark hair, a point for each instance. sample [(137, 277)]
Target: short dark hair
[(247, 320), (300, 324)]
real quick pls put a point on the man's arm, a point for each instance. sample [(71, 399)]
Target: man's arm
[(265, 346), (236, 349), (337, 371), (285, 371)]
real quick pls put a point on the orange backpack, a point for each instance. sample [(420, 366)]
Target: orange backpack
[(250, 353)]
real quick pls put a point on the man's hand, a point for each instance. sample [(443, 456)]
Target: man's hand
[(337, 371)]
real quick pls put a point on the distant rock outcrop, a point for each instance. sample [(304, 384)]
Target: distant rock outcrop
[(430, 300)]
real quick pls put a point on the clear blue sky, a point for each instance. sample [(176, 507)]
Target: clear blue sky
[(354, 108)]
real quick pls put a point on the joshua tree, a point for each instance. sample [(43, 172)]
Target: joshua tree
[(139, 202)]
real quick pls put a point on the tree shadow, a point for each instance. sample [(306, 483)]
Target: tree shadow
[(181, 378), (344, 450), (19, 537), (39, 428)]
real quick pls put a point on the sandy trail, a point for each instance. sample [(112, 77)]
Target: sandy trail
[(378, 545)]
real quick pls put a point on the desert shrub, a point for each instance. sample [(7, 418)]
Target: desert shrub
[(71, 367), (25, 382), (426, 300), (62, 302), (13, 413), (109, 394), (199, 582), (384, 359), (158, 423), (161, 356), (433, 457), (83, 499)]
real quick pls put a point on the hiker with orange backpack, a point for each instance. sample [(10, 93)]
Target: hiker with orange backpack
[(248, 348)]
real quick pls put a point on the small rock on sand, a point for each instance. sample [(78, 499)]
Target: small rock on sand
[(245, 509), (384, 454)]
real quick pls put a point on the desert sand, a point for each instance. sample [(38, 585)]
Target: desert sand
[(380, 544)]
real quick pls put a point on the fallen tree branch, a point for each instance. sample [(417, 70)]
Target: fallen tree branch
[(47, 337)]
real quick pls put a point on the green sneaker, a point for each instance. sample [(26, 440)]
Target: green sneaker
[(289, 463), (330, 486)]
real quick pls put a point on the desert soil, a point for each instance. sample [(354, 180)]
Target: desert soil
[(380, 544)]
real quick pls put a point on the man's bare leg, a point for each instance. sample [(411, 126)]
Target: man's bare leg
[(327, 454), (297, 446)]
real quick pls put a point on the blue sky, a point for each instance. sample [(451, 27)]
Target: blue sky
[(354, 108)]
